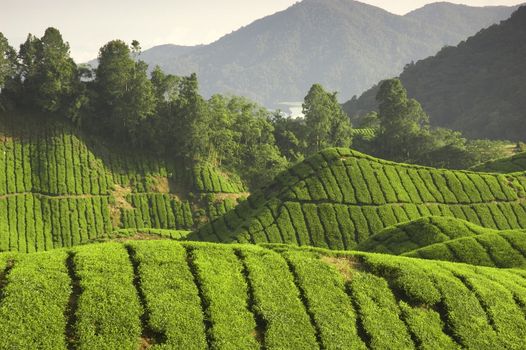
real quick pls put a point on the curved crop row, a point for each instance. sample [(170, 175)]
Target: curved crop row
[(339, 198), (511, 164), (173, 295), (411, 235), (503, 249), (58, 190)]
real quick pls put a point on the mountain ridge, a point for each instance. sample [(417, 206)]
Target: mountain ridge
[(475, 87), (345, 45)]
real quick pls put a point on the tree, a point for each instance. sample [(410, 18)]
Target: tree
[(327, 124), (404, 126), (125, 94), (7, 66), (290, 136), (47, 75), (7, 61)]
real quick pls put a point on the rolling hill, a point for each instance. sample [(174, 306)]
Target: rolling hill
[(476, 87), (451, 239), (338, 198), (59, 188), (174, 295), (511, 164), (410, 235), (343, 44)]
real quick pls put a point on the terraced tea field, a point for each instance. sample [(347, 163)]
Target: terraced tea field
[(174, 295), (56, 190), (339, 198), (511, 164)]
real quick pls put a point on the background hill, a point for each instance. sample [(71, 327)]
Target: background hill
[(338, 198), (476, 87), (199, 296), (344, 45), (59, 188)]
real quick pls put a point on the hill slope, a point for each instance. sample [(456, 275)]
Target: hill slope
[(476, 87), (338, 198), (407, 236), (451, 239), (345, 45), (511, 164), (503, 249), (59, 189), (199, 296)]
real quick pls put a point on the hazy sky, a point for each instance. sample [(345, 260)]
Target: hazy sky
[(87, 25)]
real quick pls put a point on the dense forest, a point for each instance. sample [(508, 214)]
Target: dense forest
[(476, 87)]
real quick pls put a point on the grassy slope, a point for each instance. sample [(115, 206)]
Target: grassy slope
[(511, 164), (497, 249), (450, 239), (410, 235), (339, 198), (58, 189), (200, 295)]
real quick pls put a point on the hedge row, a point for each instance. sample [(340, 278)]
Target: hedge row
[(157, 210), (356, 180), (168, 294), (340, 226), (339, 198), (407, 236), (503, 249), (209, 180), (511, 164), (56, 164), (31, 223)]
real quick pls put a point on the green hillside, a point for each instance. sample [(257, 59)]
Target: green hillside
[(511, 164), (58, 188), (497, 249), (339, 198), (172, 295), (410, 235), (451, 239)]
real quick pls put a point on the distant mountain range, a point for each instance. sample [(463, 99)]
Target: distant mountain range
[(477, 87), (344, 45)]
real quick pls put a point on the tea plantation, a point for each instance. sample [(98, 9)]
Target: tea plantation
[(171, 295), (338, 198), (58, 189), (511, 164)]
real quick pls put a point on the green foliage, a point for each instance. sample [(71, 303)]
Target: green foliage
[(346, 197), (325, 121), (36, 291), (170, 294), (125, 95), (483, 74), (511, 164), (201, 296)]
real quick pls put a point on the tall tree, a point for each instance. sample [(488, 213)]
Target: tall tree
[(7, 61), (327, 124), (48, 76), (404, 126), (125, 94), (7, 66)]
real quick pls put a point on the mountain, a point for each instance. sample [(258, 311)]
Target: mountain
[(172, 295), (343, 44), (339, 198), (476, 87), (161, 55)]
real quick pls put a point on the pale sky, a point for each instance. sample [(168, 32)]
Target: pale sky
[(87, 25)]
